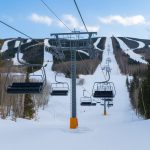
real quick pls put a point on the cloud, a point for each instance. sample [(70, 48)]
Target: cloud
[(70, 21), (73, 23), (34, 17), (126, 21), (91, 28)]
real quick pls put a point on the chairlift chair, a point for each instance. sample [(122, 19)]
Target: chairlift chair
[(107, 68), (59, 88), (86, 101), (110, 104), (103, 90), (108, 60), (34, 87)]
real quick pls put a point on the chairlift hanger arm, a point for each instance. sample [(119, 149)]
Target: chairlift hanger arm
[(59, 81)]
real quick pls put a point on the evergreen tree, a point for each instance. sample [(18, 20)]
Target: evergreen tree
[(134, 85), (28, 103), (144, 96), (127, 83)]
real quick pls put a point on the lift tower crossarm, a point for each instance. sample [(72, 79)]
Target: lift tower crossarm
[(73, 33)]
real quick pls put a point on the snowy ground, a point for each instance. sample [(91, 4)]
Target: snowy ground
[(141, 44), (131, 53), (5, 46), (96, 44), (119, 130)]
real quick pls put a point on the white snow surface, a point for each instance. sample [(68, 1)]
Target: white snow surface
[(131, 53), (141, 44), (119, 130), (81, 51), (29, 40), (5, 46), (17, 44), (96, 43), (46, 43)]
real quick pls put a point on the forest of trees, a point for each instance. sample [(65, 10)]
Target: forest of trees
[(139, 89), (20, 105), (26, 105), (127, 65), (138, 82)]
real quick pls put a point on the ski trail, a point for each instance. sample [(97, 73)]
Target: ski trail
[(131, 53), (5, 46), (141, 44), (96, 44), (122, 111)]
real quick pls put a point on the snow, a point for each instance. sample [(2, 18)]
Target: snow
[(119, 130), (29, 40), (131, 53), (17, 44), (46, 43), (96, 43), (15, 60), (81, 51), (141, 44), (5, 46)]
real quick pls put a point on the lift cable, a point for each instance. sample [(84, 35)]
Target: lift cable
[(80, 15), (61, 22), (55, 15), (85, 28), (15, 29)]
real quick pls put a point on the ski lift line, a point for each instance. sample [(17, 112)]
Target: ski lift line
[(80, 15), (55, 15), (100, 64), (106, 80)]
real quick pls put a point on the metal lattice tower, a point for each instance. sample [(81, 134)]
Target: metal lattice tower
[(73, 38)]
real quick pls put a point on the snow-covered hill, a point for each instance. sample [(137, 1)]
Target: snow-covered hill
[(119, 130), (131, 53)]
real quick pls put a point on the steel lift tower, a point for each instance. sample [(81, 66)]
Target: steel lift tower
[(75, 43)]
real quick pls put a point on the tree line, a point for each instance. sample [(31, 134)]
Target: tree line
[(138, 80)]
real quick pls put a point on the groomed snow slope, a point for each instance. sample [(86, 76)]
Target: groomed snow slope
[(119, 130), (141, 44), (96, 44), (5, 46), (131, 53)]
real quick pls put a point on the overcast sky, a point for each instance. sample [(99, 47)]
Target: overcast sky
[(107, 17)]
